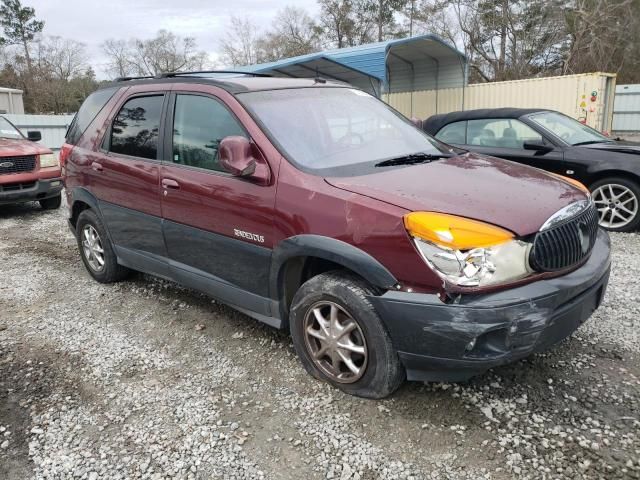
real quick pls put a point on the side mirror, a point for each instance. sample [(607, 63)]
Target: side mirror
[(417, 122), (537, 146), (34, 135), (241, 158)]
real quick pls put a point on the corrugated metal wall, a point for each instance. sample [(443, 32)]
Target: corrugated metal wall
[(626, 110), (569, 94), (53, 127)]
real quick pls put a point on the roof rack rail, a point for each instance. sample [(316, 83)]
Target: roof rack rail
[(238, 72), (124, 79)]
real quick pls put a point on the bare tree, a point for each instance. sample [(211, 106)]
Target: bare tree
[(61, 59), (240, 43), (117, 51), (166, 52), (605, 36), (292, 33)]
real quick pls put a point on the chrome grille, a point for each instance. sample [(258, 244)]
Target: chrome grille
[(24, 163), (565, 243)]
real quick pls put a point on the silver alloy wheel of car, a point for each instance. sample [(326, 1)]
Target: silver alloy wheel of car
[(92, 246), (335, 342), (617, 205)]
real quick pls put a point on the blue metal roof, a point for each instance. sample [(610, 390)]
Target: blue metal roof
[(373, 60)]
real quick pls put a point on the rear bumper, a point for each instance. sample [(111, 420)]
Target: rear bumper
[(434, 340), (30, 191)]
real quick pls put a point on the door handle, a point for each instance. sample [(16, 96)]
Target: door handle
[(169, 183), (96, 166)]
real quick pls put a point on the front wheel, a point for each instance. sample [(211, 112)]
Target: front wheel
[(618, 203), (52, 203), (340, 338)]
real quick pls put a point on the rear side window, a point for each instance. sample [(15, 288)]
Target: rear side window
[(135, 129), (453, 133), (88, 111), (501, 133)]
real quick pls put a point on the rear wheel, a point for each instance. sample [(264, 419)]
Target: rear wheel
[(618, 203), (96, 250), (340, 338), (52, 203)]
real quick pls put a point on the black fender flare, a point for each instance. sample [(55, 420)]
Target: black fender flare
[(327, 248), (79, 194)]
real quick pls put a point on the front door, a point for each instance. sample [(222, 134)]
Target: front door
[(125, 177), (217, 228)]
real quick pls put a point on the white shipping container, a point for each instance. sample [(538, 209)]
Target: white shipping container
[(569, 94)]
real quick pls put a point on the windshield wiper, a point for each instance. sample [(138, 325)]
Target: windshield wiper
[(413, 159), (590, 142)]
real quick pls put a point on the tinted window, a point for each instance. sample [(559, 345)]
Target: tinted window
[(200, 124), (453, 133), (135, 128), (501, 133), (88, 111)]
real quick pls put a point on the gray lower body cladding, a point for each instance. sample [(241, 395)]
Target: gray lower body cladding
[(453, 342)]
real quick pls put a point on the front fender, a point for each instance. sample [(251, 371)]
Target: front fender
[(330, 249)]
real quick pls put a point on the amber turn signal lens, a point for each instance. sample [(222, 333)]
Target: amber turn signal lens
[(454, 232), (572, 181)]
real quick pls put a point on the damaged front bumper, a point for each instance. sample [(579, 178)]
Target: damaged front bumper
[(453, 342)]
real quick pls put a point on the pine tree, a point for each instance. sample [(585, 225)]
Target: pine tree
[(20, 26)]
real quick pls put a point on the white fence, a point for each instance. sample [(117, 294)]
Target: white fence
[(52, 127), (626, 109)]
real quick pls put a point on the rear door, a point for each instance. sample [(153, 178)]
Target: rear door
[(125, 177), (218, 228)]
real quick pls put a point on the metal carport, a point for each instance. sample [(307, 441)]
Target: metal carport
[(424, 62)]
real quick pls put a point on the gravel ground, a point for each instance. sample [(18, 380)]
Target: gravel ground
[(145, 379)]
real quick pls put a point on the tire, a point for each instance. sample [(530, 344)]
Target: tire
[(630, 200), (52, 203), (107, 271), (380, 370)]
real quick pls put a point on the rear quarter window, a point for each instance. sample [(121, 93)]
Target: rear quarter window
[(88, 111)]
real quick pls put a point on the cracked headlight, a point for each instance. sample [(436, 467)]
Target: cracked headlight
[(49, 160), (467, 252)]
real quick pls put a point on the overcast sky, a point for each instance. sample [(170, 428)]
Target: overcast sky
[(93, 21)]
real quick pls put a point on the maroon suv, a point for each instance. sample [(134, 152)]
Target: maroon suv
[(313, 206)]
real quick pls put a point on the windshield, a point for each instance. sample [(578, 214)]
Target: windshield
[(339, 129), (570, 130), (7, 130)]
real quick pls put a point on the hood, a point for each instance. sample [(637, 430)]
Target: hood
[(11, 147), (632, 148), (503, 193)]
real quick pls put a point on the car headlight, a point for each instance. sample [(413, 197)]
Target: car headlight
[(467, 252), (49, 160)]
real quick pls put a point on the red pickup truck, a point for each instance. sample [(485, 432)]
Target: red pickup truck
[(28, 171)]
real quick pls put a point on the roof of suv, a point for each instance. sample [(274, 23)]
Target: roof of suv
[(235, 84)]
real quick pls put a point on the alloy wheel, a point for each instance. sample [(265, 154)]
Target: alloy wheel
[(335, 342), (92, 248), (617, 205)]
